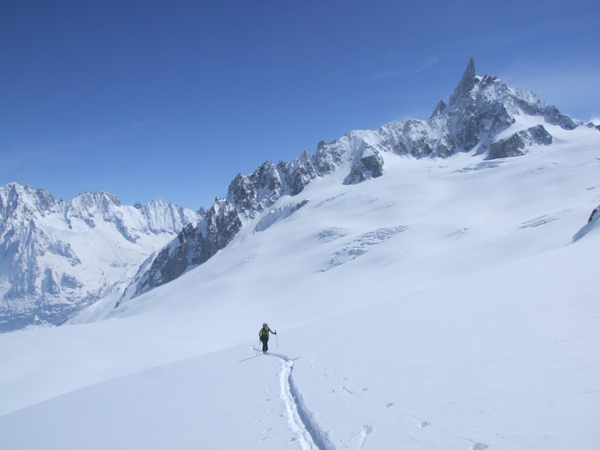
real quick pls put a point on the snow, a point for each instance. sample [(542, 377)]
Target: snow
[(524, 122), (444, 304), (61, 256)]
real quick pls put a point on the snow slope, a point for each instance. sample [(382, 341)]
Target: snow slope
[(444, 304)]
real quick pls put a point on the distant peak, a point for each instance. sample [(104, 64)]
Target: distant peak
[(439, 109), (466, 83), (469, 71)]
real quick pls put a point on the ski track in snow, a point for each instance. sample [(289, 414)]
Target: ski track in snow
[(299, 417), (301, 421), (307, 432), (364, 434), (305, 428)]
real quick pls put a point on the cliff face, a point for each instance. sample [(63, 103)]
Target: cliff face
[(194, 245)]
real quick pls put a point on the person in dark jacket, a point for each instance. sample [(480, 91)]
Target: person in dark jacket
[(263, 335)]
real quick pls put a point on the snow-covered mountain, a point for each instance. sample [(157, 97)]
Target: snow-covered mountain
[(57, 257), (483, 116), (449, 301), (194, 245)]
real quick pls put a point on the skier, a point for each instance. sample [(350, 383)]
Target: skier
[(263, 335)]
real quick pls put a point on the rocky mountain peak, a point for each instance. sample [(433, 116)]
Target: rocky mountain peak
[(466, 83), (15, 198), (439, 109), (479, 110), (194, 245)]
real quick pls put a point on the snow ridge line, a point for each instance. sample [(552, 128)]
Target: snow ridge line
[(301, 420)]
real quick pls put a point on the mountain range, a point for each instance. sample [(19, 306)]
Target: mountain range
[(433, 284), (59, 257)]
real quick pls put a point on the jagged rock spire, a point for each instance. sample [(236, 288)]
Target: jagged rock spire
[(439, 109), (466, 83)]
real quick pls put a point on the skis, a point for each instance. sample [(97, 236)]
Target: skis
[(255, 356)]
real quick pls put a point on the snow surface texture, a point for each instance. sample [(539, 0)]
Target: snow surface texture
[(473, 323)]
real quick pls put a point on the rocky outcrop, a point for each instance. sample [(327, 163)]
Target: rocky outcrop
[(194, 245), (368, 165), (515, 145), (253, 193), (298, 173), (327, 158)]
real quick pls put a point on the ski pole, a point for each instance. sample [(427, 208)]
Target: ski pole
[(258, 348), (276, 340)]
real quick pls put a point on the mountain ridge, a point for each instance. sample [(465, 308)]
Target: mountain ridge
[(58, 256), (483, 116), (479, 110)]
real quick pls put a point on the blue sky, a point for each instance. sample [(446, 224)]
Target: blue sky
[(172, 99)]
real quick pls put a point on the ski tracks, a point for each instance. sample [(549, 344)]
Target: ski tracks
[(364, 434), (301, 421), (306, 430)]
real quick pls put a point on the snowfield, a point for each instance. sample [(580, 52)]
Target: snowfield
[(445, 304)]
